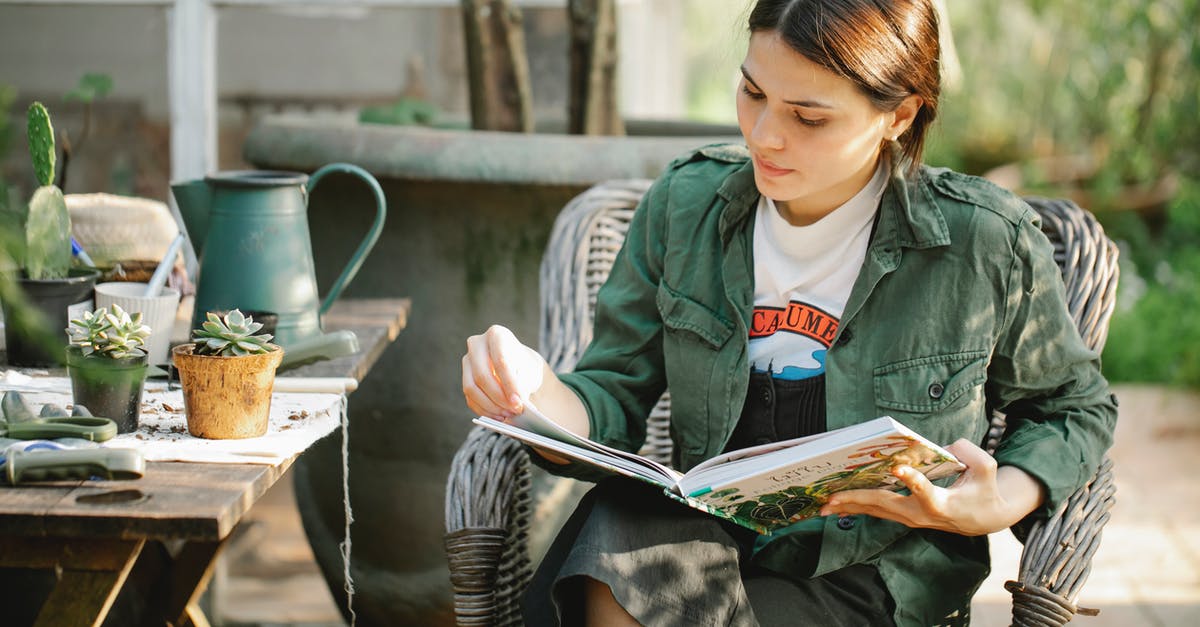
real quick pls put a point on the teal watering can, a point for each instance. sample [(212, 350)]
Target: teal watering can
[(250, 233)]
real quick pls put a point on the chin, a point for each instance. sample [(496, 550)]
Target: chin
[(774, 189)]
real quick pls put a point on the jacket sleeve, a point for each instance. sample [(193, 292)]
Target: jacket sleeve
[(620, 375), (1060, 412)]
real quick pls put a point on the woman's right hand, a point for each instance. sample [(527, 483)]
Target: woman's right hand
[(500, 373)]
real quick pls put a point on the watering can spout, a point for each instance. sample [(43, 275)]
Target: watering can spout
[(194, 199)]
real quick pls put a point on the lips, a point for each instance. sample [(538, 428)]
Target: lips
[(769, 169)]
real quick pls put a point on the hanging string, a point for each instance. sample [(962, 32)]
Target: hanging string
[(345, 545)]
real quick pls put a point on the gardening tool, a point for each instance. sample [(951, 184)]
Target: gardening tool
[(45, 462), (19, 422), (250, 231)]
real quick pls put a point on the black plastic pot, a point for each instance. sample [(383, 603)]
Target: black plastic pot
[(37, 336), (111, 388)]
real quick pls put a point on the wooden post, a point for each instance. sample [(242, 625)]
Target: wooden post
[(497, 68), (592, 97)]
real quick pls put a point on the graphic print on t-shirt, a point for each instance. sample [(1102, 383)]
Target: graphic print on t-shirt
[(792, 340)]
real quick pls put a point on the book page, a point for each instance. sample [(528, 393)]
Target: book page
[(787, 485), (532, 419), (586, 451)]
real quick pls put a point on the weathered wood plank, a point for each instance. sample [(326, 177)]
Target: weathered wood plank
[(174, 500), (83, 596), (497, 68), (23, 552), (190, 574), (592, 107)]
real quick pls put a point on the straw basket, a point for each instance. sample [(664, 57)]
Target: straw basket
[(115, 228), (226, 397)]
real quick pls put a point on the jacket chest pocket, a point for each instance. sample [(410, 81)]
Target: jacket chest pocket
[(693, 336), (948, 386)]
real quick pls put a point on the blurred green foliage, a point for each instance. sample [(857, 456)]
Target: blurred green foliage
[(1113, 80), (92, 86), (8, 95), (404, 112), (1154, 336)]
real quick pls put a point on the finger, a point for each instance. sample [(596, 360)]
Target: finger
[(476, 400), (481, 387), (502, 346), (977, 460), (929, 499), (916, 482), (888, 505)]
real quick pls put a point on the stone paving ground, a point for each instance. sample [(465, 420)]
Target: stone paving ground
[(1146, 572)]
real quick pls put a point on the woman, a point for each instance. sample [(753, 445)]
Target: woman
[(931, 297)]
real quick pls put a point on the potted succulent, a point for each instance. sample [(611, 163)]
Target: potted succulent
[(47, 281), (228, 373), (106, 361)]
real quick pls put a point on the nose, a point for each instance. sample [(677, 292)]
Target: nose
[(767, 133)]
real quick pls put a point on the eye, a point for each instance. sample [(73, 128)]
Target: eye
[(753, 95), (807, 121)]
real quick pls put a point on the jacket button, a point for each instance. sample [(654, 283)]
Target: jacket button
[(766, 395), (936, 390), (844, 337), (845, 523)]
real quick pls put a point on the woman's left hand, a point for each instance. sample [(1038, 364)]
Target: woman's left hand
[(983, 500)]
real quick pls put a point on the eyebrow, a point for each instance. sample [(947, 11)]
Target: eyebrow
[(812, 104)]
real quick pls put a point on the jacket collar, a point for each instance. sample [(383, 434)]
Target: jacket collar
[(909, 214)]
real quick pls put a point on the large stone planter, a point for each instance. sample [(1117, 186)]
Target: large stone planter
[(469, 214)]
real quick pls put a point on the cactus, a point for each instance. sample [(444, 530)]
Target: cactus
[(231, 336), (104, 333), (48, 225), (41, 143), (47, 235)]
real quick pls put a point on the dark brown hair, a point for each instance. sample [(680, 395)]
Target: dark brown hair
[(888, 48)]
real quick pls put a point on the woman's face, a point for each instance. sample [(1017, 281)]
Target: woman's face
[(814, 137)]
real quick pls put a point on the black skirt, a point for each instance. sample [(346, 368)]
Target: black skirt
[(668, 564)]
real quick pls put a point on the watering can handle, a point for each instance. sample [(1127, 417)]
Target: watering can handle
[(368, 242)]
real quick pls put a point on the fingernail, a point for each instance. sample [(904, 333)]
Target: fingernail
[(825, 511), (514, 402)]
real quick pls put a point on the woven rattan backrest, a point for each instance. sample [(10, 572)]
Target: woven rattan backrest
[(1088, 261), (583, 245)]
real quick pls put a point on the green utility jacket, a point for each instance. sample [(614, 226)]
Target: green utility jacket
[(958, 309)]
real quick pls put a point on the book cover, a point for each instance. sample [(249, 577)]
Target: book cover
[(766, 487)]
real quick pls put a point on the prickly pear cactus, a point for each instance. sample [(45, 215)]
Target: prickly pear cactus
[(41, 143), (47, 235), (48, 225)]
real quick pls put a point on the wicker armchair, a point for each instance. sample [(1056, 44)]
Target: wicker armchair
[(488, 501)]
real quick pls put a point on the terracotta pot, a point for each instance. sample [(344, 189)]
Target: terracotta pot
[(226, 397)]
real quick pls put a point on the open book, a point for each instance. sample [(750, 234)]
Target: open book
[(763, 487)]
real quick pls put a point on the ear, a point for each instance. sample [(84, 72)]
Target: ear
[(903, 116)]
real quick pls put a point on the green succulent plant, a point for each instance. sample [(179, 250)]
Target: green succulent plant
[(48, 225), (115, 334), (230, 336)]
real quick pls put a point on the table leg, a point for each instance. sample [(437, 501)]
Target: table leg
[(190, 572), (92, 575)]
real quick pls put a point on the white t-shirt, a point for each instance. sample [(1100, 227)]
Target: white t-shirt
[(802, 279)]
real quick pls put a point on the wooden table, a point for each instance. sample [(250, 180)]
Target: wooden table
[(178, 515)]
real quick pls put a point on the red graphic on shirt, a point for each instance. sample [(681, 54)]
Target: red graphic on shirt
[(797, 317)]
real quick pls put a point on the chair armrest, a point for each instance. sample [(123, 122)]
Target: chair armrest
[(487, 524), (1058, 554)]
